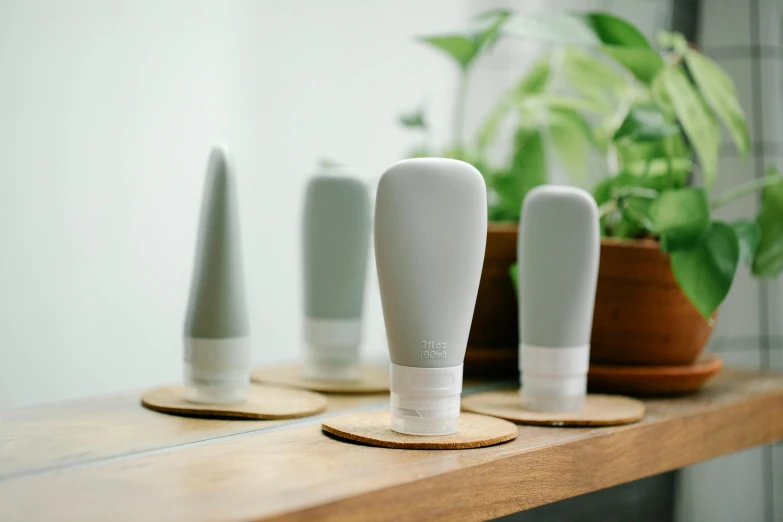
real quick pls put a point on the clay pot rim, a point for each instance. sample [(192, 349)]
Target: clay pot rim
[(511, 228), (706, 362), (645, 244), (502, 227)]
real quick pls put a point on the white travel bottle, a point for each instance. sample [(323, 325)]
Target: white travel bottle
[(558, 252), (217, 351), (430, 236), (336, 242)]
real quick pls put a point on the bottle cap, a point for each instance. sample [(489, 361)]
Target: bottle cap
[(331, 370), (216, 370), (553, 393), (332, 349), (425, 401), (554, 379)]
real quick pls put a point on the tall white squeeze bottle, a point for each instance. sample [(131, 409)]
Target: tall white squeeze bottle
[(430, 235), (558, 252), (217, 351), (336, 241)]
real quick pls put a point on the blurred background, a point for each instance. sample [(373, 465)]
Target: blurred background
[(108, 110)]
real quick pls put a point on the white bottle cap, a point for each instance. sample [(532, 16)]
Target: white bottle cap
[(332, 349), (554, 379), (330, 370), (425, 401), (216, 370)]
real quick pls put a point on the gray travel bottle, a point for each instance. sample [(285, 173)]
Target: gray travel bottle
[(430, 236), (217, 351), (558, 253), (336, 237)]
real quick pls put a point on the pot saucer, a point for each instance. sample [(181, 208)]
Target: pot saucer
[(654, 380)]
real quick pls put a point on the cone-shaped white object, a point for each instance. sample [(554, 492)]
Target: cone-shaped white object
[(558, 250), (336, 237), (430, 235), (217, 353)]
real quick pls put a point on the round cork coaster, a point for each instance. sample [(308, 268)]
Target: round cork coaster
[(374, 428), (599, 410), (262, 402), (371, 380)]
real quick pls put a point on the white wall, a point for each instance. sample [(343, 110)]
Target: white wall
[(107, 113)]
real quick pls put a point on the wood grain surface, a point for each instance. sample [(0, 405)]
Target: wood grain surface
[(75, 432), (296, 472), (599, 410)]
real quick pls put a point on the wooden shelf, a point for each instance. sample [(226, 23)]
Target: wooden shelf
[(109, 459)]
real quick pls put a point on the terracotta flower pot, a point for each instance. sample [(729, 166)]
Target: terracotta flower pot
[(494, 334), (641, 315)]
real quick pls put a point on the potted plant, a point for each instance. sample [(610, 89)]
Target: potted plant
[(653, 117)]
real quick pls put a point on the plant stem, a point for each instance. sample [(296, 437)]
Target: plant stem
[(745, 189), (459, 109)]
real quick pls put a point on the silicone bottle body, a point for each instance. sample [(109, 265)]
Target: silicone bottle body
[(217, 351), (430, 237), (558, 254), (336, 236)]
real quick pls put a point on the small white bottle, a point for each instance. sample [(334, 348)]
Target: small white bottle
[(430, 236), (558, 254), (217, 350), (336, 242)]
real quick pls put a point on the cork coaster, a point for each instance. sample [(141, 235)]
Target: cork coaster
[(262, 402), (374, 428), (599, 410), (371, 380)]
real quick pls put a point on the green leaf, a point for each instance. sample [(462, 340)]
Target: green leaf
[(705, 272), (465, 48), (613, 30), (614, 36), (719, 92), (644, 64), (528, 170), (645, 122), (768, 261), (696, 118), (513, 271), (460, 48), (571, 140), (415, 119), (626, 183), (488, 26), (681, 217), (626, 44), (661, 183), (551, 27), (655, 167), (749, 234), (672, 40), (635, 220), (652, 158), (603, 190), (542, 102), (592, 77), (534, 82)]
